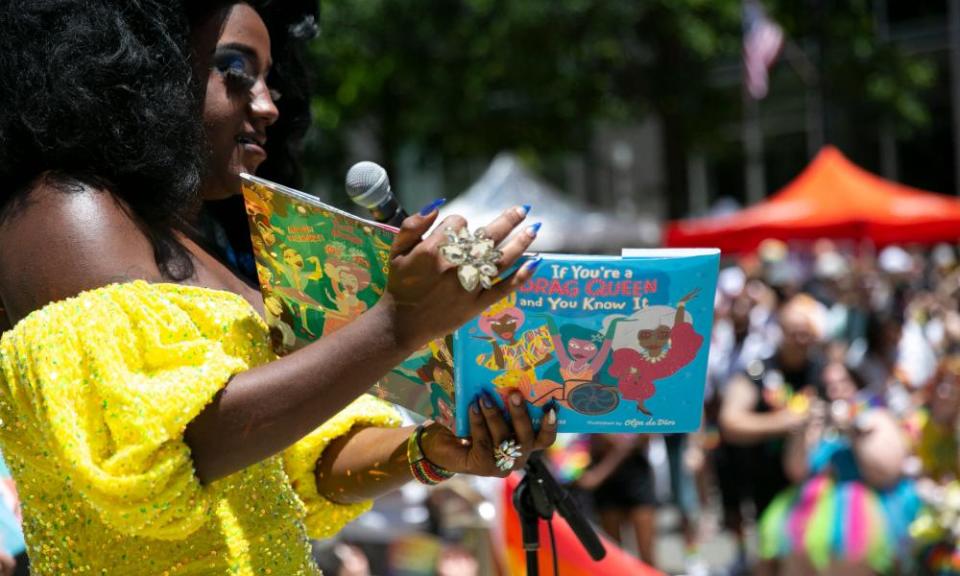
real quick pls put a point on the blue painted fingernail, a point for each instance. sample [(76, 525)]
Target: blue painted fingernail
[(534, 228), (429, 208), (532, 265), (526, 209), (475, 407), (488, 401)]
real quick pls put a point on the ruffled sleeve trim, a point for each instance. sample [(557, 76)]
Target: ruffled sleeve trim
[(325, 517)]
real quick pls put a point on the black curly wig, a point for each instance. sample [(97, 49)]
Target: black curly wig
[(101, 93), (98, 92)]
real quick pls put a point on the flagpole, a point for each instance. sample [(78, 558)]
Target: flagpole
[(813, 97), (889, 162), (954, 27), (755, 174), (810, 76)]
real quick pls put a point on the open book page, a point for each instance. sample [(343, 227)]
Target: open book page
[(320, 268)]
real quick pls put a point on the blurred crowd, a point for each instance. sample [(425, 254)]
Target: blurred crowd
[(833, 393), (830, 433)]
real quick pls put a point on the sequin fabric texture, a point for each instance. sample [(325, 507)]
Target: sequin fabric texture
[(95, 394)]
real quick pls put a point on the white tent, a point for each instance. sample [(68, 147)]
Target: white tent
[(568, 226)]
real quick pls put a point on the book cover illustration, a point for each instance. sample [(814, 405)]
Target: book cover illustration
[(319, 269), (616, 344)]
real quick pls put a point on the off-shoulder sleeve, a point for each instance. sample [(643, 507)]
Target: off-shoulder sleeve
[(324, 517), (100, 388)]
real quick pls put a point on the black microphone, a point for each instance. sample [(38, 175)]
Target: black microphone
[(368, 185)]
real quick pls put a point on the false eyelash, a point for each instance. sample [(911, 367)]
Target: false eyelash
[(243, 81), (239, 78)]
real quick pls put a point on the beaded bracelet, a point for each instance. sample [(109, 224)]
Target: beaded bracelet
[(423, 470)]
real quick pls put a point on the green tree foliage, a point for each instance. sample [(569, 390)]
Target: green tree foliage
[(860, 72), (468, 78), (465, 77)]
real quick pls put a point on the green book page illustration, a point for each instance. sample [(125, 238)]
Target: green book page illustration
[(319, 269)]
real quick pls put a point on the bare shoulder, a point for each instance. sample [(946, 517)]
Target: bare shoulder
[(740, 394), (66, 237)]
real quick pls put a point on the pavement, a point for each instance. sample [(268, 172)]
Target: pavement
[(717, 551)]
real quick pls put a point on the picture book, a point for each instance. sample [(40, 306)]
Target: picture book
[(319, 268), (617, 344)]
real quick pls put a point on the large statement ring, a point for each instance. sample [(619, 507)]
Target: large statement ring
[(507, 453), (475, 256)]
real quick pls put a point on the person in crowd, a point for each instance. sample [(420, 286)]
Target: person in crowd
[(339, 558), (620, 479), (936, 550), (745, 331), (880, 364), (685, 459), (937, 445), (139, 399), (757, 411), (917, 360), (850, 507)]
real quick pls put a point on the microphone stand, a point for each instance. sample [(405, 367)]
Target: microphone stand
[(538, 496)]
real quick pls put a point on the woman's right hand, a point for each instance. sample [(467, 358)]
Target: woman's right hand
[(424, 298)]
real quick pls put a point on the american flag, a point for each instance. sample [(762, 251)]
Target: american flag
[(762, 40)]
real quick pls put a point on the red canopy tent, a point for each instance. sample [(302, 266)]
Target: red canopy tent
[(831, 198)]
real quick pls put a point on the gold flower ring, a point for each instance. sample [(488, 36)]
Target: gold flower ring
[(507, 454), (475, 256)]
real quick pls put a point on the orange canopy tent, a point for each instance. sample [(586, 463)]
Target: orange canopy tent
[(831, 198)]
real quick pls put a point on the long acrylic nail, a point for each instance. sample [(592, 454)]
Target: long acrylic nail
[(532, 265), (524, 210), (429, 208), (533, 229), (475, 407), (551, 416), (487, 401)]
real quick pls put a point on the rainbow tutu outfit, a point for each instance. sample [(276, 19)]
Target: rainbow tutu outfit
[(834, 515)]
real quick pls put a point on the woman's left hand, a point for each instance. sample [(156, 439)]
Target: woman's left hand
[(475, 455)]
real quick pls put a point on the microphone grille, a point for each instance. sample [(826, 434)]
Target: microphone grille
[(367, 184)]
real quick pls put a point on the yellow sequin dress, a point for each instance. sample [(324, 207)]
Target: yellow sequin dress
[(95, 394)]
